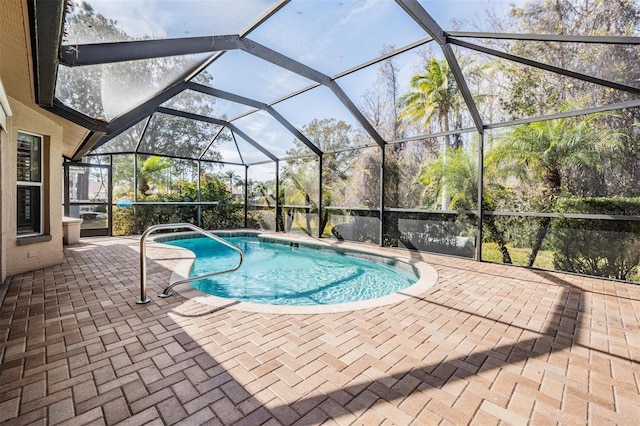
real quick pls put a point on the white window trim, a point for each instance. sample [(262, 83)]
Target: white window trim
[(32, 184), (5, 109)]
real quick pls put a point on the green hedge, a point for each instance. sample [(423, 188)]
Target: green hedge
[(606, 248)]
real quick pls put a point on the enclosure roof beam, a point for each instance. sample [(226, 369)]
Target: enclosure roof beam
[(417, 12), (86, 145), (568, 114), (296, 67), (255, 104), (546, 67), (211, 143), (563, 38), (92, 54), (46, 32), (106, 53), (268, 14), (77, 117), (233, 128)]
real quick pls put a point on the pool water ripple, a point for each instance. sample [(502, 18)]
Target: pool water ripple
[(278, 274)]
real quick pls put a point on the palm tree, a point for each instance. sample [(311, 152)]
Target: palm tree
[(460, 170), (304, 182), (233, 178), (150, 172), (435, 94), (543, 152)]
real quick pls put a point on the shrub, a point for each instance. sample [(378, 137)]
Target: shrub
[(606, 248)]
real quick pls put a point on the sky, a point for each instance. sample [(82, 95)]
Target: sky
[(330, 36)]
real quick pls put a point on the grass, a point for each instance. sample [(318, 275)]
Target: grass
[(519, 256)]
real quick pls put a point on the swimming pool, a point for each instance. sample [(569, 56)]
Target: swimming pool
[(277, 274)]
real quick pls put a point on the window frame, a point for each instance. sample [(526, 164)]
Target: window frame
[(31, 184)]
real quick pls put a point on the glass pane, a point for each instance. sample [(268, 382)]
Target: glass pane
[(333, 36), (106, 91), (249, 76), (89, 184), (233, 148), (166, 179), (93, 216), (203, 104), (29, 210), (126, 141), (221, 183), (604, 248), (165, 213), (430, 99), (301, 220), (403, 166), (262, 196), (233, 178), (612, 62), (362, 226), (324, 120), (177, 136), (262, 185), (352, 178), (97, 159), (536, 16), (29, 158), (100, 21), (271, 135), (227, 216), (299, 181), (506, 90), (471, 15), (377, 89), (122, 170), (548, 166), (435, 232), (123, 221), (261, 217)]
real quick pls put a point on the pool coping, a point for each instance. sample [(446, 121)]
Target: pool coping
[(428, 276)]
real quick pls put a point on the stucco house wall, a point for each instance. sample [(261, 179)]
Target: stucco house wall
[(17, 258)]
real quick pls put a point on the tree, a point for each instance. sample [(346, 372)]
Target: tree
[(334, 137), (435, 94), (544, 152), (94, 90), (150, 172), (380, 102), (460, 170)]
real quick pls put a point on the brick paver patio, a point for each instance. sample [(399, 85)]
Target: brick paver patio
[(487, 344)]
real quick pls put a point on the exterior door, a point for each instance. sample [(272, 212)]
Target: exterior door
[(88, 197)]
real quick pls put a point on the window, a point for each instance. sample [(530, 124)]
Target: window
[(29, 184)]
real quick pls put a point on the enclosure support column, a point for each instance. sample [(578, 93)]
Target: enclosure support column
[(66, 188), (199, 198), (277, 196), (480, 178), (110, 197), (135, 193), (246, 194), (320, 196), (382, 186)]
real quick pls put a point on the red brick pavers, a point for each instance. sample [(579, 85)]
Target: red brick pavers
[(488, 344)]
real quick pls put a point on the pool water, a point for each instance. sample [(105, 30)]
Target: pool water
[(278, 274)]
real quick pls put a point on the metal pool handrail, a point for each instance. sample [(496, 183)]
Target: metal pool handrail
[(143, 258)]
